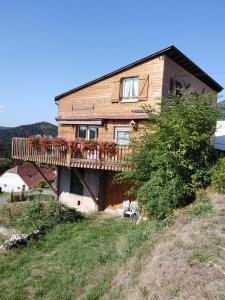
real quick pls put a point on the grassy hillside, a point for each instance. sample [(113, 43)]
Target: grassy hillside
[(104, 258), (7, 133)]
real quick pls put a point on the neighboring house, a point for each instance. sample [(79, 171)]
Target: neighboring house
[(23, 177), (219, 138), (110, 108)]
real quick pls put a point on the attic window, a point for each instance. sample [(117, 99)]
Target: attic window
[(130, 89), (30, 176)]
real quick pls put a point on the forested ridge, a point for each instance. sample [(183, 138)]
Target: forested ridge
[(7, 133)]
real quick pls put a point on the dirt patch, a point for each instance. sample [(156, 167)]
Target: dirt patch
[(186, 262)]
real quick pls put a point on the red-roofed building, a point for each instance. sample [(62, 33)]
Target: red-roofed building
[(23, 177)]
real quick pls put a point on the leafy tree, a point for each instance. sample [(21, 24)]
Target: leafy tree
[(5, 164), (218, 176), (173, 156)]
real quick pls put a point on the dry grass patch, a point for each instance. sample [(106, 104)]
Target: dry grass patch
[(187, 260)]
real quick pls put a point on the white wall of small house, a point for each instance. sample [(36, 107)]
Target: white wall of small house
[(219, 138), (12, 182)]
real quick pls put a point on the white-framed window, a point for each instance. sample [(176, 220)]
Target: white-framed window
[(122, 135), (130, 89), (88, 133)]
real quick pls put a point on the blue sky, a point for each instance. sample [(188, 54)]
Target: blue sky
[(50, 46)]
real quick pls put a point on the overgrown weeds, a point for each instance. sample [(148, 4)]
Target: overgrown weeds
[(37, 214), (202, 206)]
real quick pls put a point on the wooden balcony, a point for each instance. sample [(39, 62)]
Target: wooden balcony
[(61, 157)]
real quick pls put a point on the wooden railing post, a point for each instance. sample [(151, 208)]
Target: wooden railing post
[(68, 159)]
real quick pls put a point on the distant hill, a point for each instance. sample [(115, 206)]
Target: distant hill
[(7, 133)]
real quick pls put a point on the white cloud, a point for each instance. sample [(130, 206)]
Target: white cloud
[(1, 108)]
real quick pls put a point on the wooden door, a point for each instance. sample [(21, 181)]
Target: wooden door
[(115, 193)]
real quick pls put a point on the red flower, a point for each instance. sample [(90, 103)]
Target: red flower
[(59, 143), (108, 148), (74, 146), (45, 143)]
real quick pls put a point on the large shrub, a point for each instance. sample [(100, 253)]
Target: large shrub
[(161, 194), (173, 156), (218, 176)]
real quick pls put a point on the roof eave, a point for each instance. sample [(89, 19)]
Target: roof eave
[(166, 51)]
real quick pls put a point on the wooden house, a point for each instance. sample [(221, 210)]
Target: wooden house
[(110, 108)]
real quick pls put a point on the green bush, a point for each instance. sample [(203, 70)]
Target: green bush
[(173, 156), (218, 176), (42, 184), (161, 194), (44, 215)]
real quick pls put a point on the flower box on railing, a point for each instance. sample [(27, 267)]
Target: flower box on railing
[(78, 148)]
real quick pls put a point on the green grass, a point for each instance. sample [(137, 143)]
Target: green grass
[(72, 261), (202, 206)]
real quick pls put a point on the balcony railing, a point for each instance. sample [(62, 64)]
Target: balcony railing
[(89, 159)]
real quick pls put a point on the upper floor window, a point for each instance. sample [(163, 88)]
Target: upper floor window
[(88, 132), (130, 89)]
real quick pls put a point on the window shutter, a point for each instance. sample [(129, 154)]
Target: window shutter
[(115, 91), (143, 87)]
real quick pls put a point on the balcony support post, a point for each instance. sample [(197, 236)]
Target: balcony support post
[(68, 159), (86, 186), (45, 179)]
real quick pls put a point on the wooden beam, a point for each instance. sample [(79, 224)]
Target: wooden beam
[(86, 186), (45, 178)]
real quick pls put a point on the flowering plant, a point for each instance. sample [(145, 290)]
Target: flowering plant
[(59, 143), (78, 146), (90, 145), (108, 148), (74, 146), (45, 143), (34, 141)]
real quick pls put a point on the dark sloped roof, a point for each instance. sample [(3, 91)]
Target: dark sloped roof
[(175, 54)]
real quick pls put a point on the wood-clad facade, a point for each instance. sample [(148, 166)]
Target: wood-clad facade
[(102, 101), (110, 108)]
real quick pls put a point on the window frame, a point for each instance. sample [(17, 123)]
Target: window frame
[(121, 128), (128, 99), (87, 132)]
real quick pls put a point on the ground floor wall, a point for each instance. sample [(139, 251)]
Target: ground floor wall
[(107, 193)]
